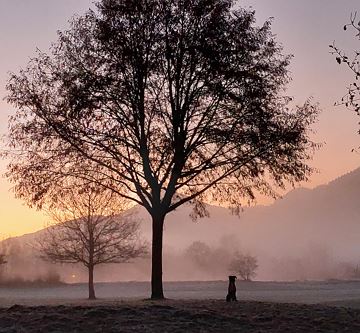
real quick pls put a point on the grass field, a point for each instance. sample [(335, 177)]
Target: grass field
[(345, 293), (176, 316), (191, 307)]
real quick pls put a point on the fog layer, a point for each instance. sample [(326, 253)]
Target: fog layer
[(307, 235)]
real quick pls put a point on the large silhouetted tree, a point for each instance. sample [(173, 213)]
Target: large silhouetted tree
[(164, 102), (89, 230), (352, 98)]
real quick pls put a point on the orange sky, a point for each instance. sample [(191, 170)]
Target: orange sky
[(305, 28)]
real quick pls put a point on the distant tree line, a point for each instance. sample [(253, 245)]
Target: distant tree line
[(227, 261)]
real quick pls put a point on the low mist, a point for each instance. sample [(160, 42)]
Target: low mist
[(308, 235)]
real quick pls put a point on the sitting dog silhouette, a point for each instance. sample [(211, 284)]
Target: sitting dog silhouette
[(231, 296)]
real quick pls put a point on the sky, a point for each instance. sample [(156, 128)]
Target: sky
[(304, 28)]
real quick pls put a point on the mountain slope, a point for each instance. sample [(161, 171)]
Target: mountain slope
[(308, 228)]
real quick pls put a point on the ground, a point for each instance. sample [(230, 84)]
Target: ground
[(180, 316), (331, 306)]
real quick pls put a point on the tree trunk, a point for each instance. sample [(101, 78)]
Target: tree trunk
[(91, 283), (157, 245)]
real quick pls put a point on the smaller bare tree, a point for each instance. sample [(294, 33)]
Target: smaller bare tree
[(245, 265), (89, 230)]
